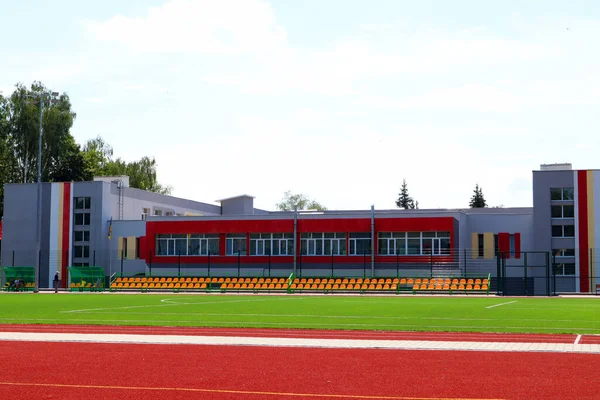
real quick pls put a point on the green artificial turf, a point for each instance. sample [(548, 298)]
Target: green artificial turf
[(535, 315)]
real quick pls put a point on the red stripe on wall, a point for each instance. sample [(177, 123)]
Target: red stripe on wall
[(517, 245), (142, 247), (66, 232), (582, 207), (504, 244)]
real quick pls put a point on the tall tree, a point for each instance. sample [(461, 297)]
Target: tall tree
[(142, 173), (404, 199), (477, 200), (302, 202)]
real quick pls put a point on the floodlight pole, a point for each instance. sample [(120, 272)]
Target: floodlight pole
[(38, 239)]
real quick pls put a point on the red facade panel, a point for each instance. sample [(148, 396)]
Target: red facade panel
[(517, 245), (348, 225), (582, 208), (504, 244)]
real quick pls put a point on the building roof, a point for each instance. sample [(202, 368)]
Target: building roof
[(236, 197)]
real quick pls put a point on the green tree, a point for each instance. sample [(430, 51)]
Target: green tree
[(142, 173), (404, 199), (477, 200), (302, 202)]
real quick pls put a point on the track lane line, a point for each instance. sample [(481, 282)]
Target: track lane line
[(578, 339), (227, 391)]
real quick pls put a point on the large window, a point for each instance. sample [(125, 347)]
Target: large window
[(561, 194), (563, 211), (276, 244), (81, 251), (235, 244), (564, 269), (360, 244), (187, 245), (82, 219), (563, 252), (323, 244), (82, 203), (82, 236), (559, 231), (414, 243)]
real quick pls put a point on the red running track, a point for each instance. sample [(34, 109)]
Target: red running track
[(109, 371), (305, 333)]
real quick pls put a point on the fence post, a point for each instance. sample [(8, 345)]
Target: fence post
[(397, 263), (364, 264), (498, 272), (525, 275), (547, 274), (208, 264), (465, 262), (122, 257), (332, 263), (239, 259), (178, 265), (431, 265), (13, 258), (269, 262)]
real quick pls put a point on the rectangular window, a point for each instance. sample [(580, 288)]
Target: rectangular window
[(187, 244), (564, 269), (512, 245), (81, 251), (360, 244), (169, 214), (561, 194), (82, 203), (563, 252), (563, 211), (559, 231), (158, 213), (145, 213), (480, 246), (82, 219), (82, 236), (235, 245)]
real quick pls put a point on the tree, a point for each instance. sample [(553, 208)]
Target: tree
[(142, 173), (477, 201), (404, 199), (290, 201)]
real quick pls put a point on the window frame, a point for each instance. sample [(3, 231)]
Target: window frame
[(169, 242), (83, 203), (562, 227)]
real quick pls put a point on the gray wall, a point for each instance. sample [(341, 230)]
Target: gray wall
[(243, 205)]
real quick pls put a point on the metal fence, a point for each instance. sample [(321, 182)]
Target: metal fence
[(532, 274)]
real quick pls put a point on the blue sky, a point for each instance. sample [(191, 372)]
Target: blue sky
[(339, 100)]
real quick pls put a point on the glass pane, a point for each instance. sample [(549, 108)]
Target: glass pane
[(277, 235), (161, 247), (229, 247), (556, 212), (268, 247), (352, 247), (428, 234), (319, 247), (86, 251), (78, 236), (275, 248), (414, 234), (568, 211), (253, 246), (569, 252), (290, 244), (303, 247), (427, 246), (335, 248), (171, 248), (360, 235), (181, 247), (555, 194), (401, 247), (567, 194), (342, 244), (384, 235), (556, 230), (194, 247), (213, 246), (327, 250), (383, 246), (414, 246), (283, 247), (443, 234), (163, 236), (179, 236), (445, 246), (570, 269), (569, 230), (255, 236), (329, 235), (400, 235)]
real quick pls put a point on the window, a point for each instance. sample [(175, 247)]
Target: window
[(187, 245), (81, 251), (81, 264), (564, 252), (82, 236), (414, 243), (169, 213), (82, 203), (276, 244), (145, 213), (564, 194), (563, 211), (512, 245), (564, 269), (235, 244), (82, 219), (323, 244), (158, 213), (480, 246), (360, 244), (563, 231)]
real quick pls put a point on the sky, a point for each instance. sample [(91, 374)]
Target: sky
[(337, 99)]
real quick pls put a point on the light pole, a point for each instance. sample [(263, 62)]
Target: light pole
[(38, 238)]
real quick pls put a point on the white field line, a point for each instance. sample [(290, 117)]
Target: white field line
[(334, 316), (299, 342), (578, 339), (246, 324), (502, 304), (167, 304)]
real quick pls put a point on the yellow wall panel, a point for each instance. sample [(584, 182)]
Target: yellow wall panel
[(131, 247), (474, 245), (488, 245)]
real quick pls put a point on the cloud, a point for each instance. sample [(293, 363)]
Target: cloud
[(189, 26)]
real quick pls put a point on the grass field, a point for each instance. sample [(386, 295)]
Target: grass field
[(493, 314)]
